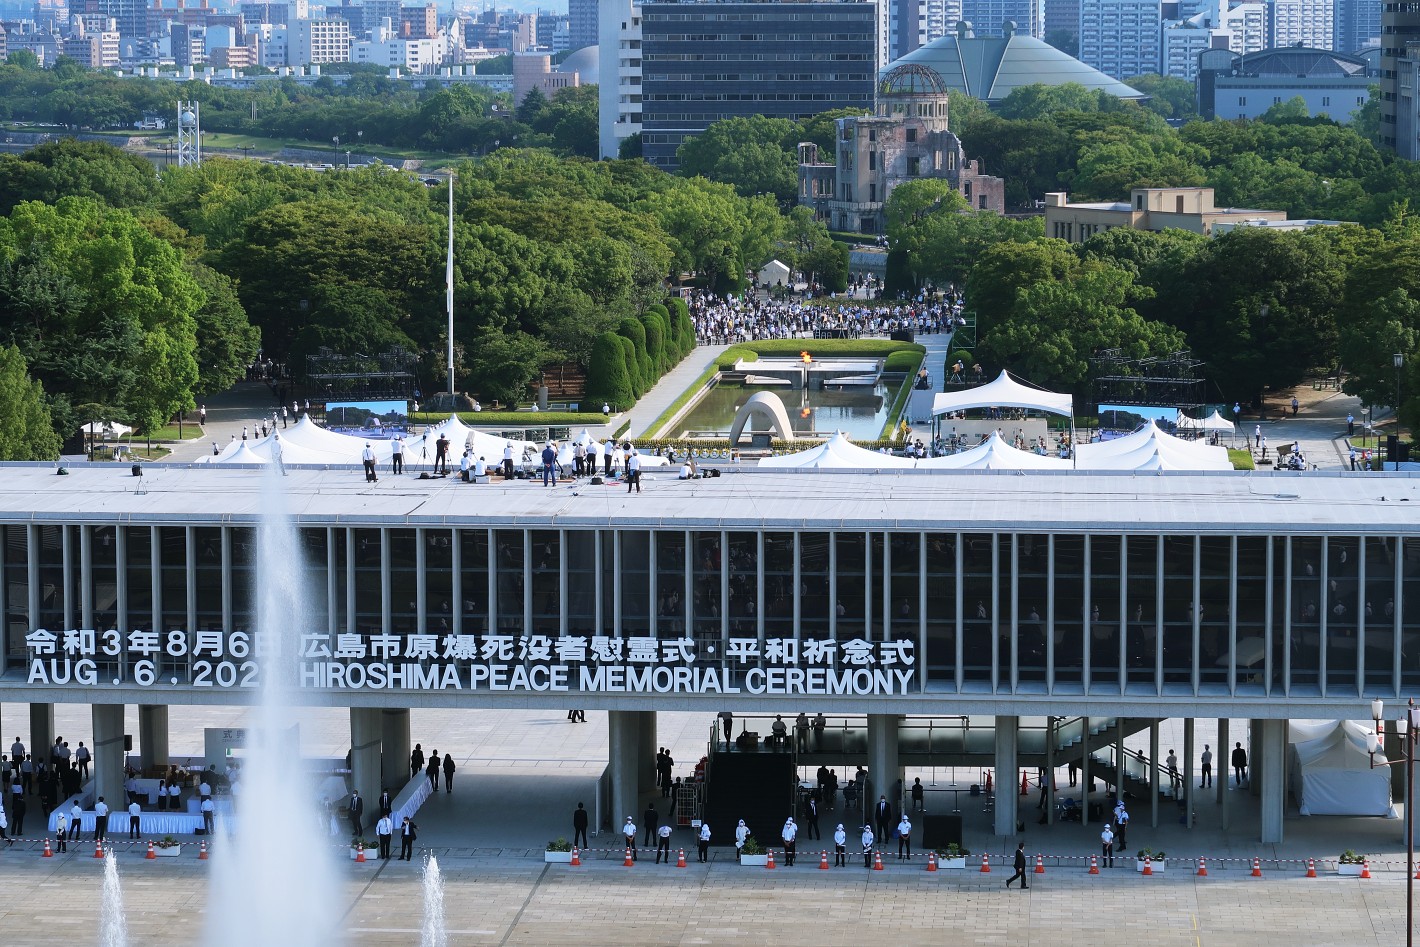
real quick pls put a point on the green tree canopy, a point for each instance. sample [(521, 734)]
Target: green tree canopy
[(26, 428), (755, 154)]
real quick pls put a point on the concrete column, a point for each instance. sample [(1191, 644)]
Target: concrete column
[(42, 732), (884, 773), (1154, 774), (1007, 781), (1255, 763), (394, 748), (1188, 771), (1271, 744), (1223, 769), (624, 749), (153, 735), (108, 755), (365, 758), (646, 757)]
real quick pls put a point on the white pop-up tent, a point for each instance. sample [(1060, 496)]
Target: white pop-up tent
[(838, 452), (994, 454), (1151, 449), (1330, 771), (1003, 392), (1214, 422)]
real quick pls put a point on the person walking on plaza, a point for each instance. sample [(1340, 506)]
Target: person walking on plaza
[(432, 770), (1121, 821), (663, 843), (448, 772), (741, 833), (840, 847), (1239, 763), (579, 826), (416, 760), (628, 831), (633, 471), (384, 831), (1020, 865), (81, 759), (653, 820), (867, 841), (17, 813), (904, 838), (704, 841), (664, 765), (100, 820), (357, 813), (918, 795), (1107, 846), (1206, 768), (1172, 763), (790, 835), (408, 832), (135, 817)]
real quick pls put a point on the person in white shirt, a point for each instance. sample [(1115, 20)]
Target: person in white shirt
[(76, 816), (276, 454), (1107, 846), (904, 838), (705, 841), (61, 832), (607, 449), (868, 839), (741, 833), (204, 790), (207, 813), (174, 796), (685, 472), (840, 847), (464, 465), (508, 461), (397, 455), (384, 831), (480, 468), (135, 815), (663, 843), (367, 456), (633, 471), (629, 831), (100, 820), (789, 834)]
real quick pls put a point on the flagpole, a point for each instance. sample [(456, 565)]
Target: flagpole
[(449, 283)]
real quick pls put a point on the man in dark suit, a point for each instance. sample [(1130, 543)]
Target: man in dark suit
[(448, 772), (579, 826), (357, 813), (653, 822), (882, 816), (386, 804), (407, 835), (1020, 867)]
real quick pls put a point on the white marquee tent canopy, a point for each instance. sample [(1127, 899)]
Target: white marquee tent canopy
[(1150, 448), (994, 454), (838, 452), (1004, 392), (1214, 422), (1330, 767)]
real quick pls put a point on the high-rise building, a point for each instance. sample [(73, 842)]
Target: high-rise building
[(1358, 25), (318, 41), (1120, 38), (907, 26), (1309, 23), (987, 16), (1407, 103), (1062, 18), (582, 17), (942, 17), (1400, 28), (619, 105), (1241, 29), (703, 62)]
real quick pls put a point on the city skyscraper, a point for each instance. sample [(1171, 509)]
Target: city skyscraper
[(1120, 38), (582, 22), (1301, 23), (1358, 25), (986, 16)]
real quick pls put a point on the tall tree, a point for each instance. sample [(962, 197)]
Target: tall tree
[(26, 429)]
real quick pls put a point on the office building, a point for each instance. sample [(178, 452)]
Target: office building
[(703, 62), (1407, 103), (582, 23), (1358, 25), (1120, 38), (1160, 208), (1400, 29), (1308, 23), (535, 71), (1241, 28), (1232, 86), (318, 41), (989, 16), (619, 106)]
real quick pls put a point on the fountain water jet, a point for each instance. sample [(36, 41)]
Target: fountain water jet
[(434, 933), (274, 883), (113, 923)]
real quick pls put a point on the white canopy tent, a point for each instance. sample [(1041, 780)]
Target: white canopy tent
[(838, 452), (1004, 392), (1330, 770), (994, 454), (1150, 448), (1214, 422)]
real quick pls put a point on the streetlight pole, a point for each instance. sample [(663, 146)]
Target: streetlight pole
[(1412, 727), (1398, 359), (336, 151)]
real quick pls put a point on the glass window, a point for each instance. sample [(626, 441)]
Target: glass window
[(1069, 620), (207, 542), (243, 540), (138, 570), (104, 550), (1307, 597), (635, 582), (509, 556), (1141, 628), (172, 542), (1105, 617), (1410, 615), (706, 606), (979, 602), (404, 586), (51, 577), (1032, 568), (438, 580), (581, 581), (1379, 609), (779, 585), (1343, 613), (1178, 607), (813, 585), (941, 658), (546, 579), (670, 583), (473, 580), (851, 604), (17, 620), (744, 584), (1251, 577), (367, 581)]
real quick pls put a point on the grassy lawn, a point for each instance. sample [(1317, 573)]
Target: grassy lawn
[(191, 431), (1242, 459)]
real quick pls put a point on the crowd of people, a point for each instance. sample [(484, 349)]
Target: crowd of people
[(727, 320)]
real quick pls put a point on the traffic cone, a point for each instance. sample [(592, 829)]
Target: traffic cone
[(990, 786), (202, 853), (877, 861), (1148, 865), (770, 863), (628, 863), (1256, 867), (1311, 867), (360, 855), (576, 857), (823, 861), (1025, 784), (1039, 864), (985, 864), (151, 853), (1417, 871), (931, 861), (680, 858), (1366, 867), (48, 852), (1094, 865), (99, 849), (1202, 867)]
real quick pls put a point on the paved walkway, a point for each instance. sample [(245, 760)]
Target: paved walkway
[(672, 384)]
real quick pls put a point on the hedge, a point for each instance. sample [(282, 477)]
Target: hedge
[(608, 378), (903, 362)]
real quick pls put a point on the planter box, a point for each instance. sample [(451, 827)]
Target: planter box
[(754, 861), (1352, 870), (172, 852), (952, 862), (557, 858), (1157, 865)]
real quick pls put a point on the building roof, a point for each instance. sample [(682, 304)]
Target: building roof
[(992, 67), (1226, 503), (1300, 62), (584, 62)]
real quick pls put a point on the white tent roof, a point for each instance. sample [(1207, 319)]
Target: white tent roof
[(838, 452), (1004, 392), (994, 454), (1333, 773), (1214, 422), (241, 453), (1149, 448)]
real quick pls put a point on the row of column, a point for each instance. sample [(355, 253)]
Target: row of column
[(108, 745)]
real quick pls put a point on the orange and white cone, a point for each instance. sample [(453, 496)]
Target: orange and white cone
[(202, 852), (1311, 867), (985, 864), (576, 857), (770, 862), (151, 853), (629, 861), (48, 852), (1039, 864), (360, 855), (1256, 867), (877, 861), (1366, 867), (931, 861), (1094, 865), (1202, 867), (1148, 865), (990, 784), (1025, 784), (680, 858), (99, 849), (823, 861)]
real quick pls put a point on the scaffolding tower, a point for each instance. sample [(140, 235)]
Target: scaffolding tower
[(189, 134)]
